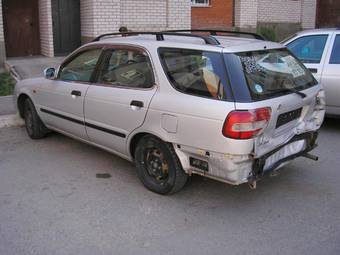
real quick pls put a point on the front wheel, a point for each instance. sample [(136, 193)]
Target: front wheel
[(158, 166), (34, 126)]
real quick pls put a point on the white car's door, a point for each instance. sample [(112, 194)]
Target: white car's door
[(331, 76), (61, 100), (117, 103), (311, 50)]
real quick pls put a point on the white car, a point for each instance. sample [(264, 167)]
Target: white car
[(177, 104), (319, 50)]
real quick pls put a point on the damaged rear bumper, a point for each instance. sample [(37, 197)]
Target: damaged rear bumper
[(259, 165), (239, 169)]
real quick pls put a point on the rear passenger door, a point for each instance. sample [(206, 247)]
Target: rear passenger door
[(117, 103), (311, 50), (331, 76)]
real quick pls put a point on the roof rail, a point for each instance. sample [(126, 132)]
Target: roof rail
[(160, 36), (214, 32)]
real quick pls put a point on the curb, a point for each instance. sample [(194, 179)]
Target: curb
[(12, 120), (6, 97)]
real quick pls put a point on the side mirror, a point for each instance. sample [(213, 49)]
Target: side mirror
[(49, 73)]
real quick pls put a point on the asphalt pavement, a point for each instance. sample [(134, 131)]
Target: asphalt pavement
[(7, 105), (52, 203)]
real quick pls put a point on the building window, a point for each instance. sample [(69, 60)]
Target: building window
[(200, 3)]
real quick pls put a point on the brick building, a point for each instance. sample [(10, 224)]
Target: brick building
[(56, 27), (284, 16), (216, 14)]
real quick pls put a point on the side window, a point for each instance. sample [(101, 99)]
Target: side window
[(127, 68), (309, 49), (195, 72), (335, 57), (81, 67)]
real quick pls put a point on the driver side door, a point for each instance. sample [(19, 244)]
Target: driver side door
[(61, 100), (311, 50)]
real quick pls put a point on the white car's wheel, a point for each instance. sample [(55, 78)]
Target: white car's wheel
[(34, 126)]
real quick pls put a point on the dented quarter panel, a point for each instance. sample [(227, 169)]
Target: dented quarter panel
[(273, 137)]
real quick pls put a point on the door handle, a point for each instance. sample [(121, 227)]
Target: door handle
[(136, 103), (76, 93), (313, 70)]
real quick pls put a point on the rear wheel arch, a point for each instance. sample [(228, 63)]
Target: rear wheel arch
[(21, 104), (137, 137)]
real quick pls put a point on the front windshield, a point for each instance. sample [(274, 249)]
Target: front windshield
[(272, 72)]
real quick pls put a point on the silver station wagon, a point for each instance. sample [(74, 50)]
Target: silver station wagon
[(226, 105)]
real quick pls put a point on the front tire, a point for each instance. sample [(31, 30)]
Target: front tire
[(158, 166), (34, 126)]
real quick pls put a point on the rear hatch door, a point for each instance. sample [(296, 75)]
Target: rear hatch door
[(274, 78), (290, 115)]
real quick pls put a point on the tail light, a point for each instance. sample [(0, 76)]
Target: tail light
[(246, 124), (320, 101), (320, 108)]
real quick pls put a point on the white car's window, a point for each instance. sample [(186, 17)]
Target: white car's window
[(195, 72), (335, 57), (309, 49), (81, 67), (127, 68)]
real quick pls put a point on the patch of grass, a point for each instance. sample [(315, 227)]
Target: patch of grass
[(6, 84), (268, 33)]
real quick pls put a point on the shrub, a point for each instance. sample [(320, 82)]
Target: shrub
[(267, 32), (6, 84)]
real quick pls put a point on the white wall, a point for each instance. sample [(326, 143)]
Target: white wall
[(2, 39), (106, 16), (179, 14), (279, 11), (103, 16), (86, 17), (144, 15), (249, 12), (46, 28), (309, 14), (246, 13)]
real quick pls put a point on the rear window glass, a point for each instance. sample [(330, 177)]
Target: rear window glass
[(270, 73), (195, 72)]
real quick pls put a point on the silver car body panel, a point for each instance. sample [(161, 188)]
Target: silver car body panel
[(55, 96), (192, 124), (109, 108)]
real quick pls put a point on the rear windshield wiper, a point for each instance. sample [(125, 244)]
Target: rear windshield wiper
[(301, 94)]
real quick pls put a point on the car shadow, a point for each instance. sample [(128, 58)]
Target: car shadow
[(199, 191), (331, 124)]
